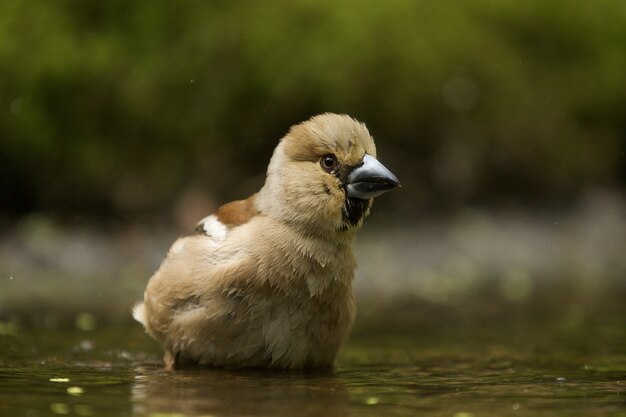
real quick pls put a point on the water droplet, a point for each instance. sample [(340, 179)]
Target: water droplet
[(59, 379), (75, 391)]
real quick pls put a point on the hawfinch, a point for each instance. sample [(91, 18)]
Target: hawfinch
[(267, 281)]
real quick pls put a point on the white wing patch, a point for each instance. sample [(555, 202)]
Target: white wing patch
[(139, 313), (214, 228)]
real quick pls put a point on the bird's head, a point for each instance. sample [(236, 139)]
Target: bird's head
[(323, 176)]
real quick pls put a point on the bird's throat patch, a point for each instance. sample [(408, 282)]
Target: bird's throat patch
[(354, 211)]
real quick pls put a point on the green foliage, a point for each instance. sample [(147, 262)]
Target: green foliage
[(114, 106)]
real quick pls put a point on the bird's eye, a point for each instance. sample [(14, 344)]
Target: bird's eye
[(329, 162)]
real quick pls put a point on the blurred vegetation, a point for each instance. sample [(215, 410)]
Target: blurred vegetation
[(113, 108)]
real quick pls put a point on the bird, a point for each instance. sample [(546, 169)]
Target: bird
[(266, 282)]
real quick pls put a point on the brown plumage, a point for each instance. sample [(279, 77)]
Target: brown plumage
[(267, 281)]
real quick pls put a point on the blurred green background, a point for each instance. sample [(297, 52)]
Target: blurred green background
[(112, 108), (122, 123)]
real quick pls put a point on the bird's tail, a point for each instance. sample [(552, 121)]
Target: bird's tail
[(139, 313)]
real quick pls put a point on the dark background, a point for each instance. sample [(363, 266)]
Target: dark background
[(117, 110), (123, 123)]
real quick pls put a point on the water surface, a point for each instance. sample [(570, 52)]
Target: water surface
[(456, 370)]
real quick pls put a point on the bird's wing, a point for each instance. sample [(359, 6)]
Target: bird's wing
[(195, 266), (192, 277), (230, 215)]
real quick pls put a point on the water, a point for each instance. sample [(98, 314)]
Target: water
[(461, 369)]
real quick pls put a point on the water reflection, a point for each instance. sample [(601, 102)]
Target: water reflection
[(219, 392), (479, 370)]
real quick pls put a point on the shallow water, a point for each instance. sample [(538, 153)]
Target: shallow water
[(456, 370)]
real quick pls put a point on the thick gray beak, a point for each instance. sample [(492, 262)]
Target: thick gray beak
[(370, 179)]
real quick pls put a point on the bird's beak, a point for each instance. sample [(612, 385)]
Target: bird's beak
[(370, 179)]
